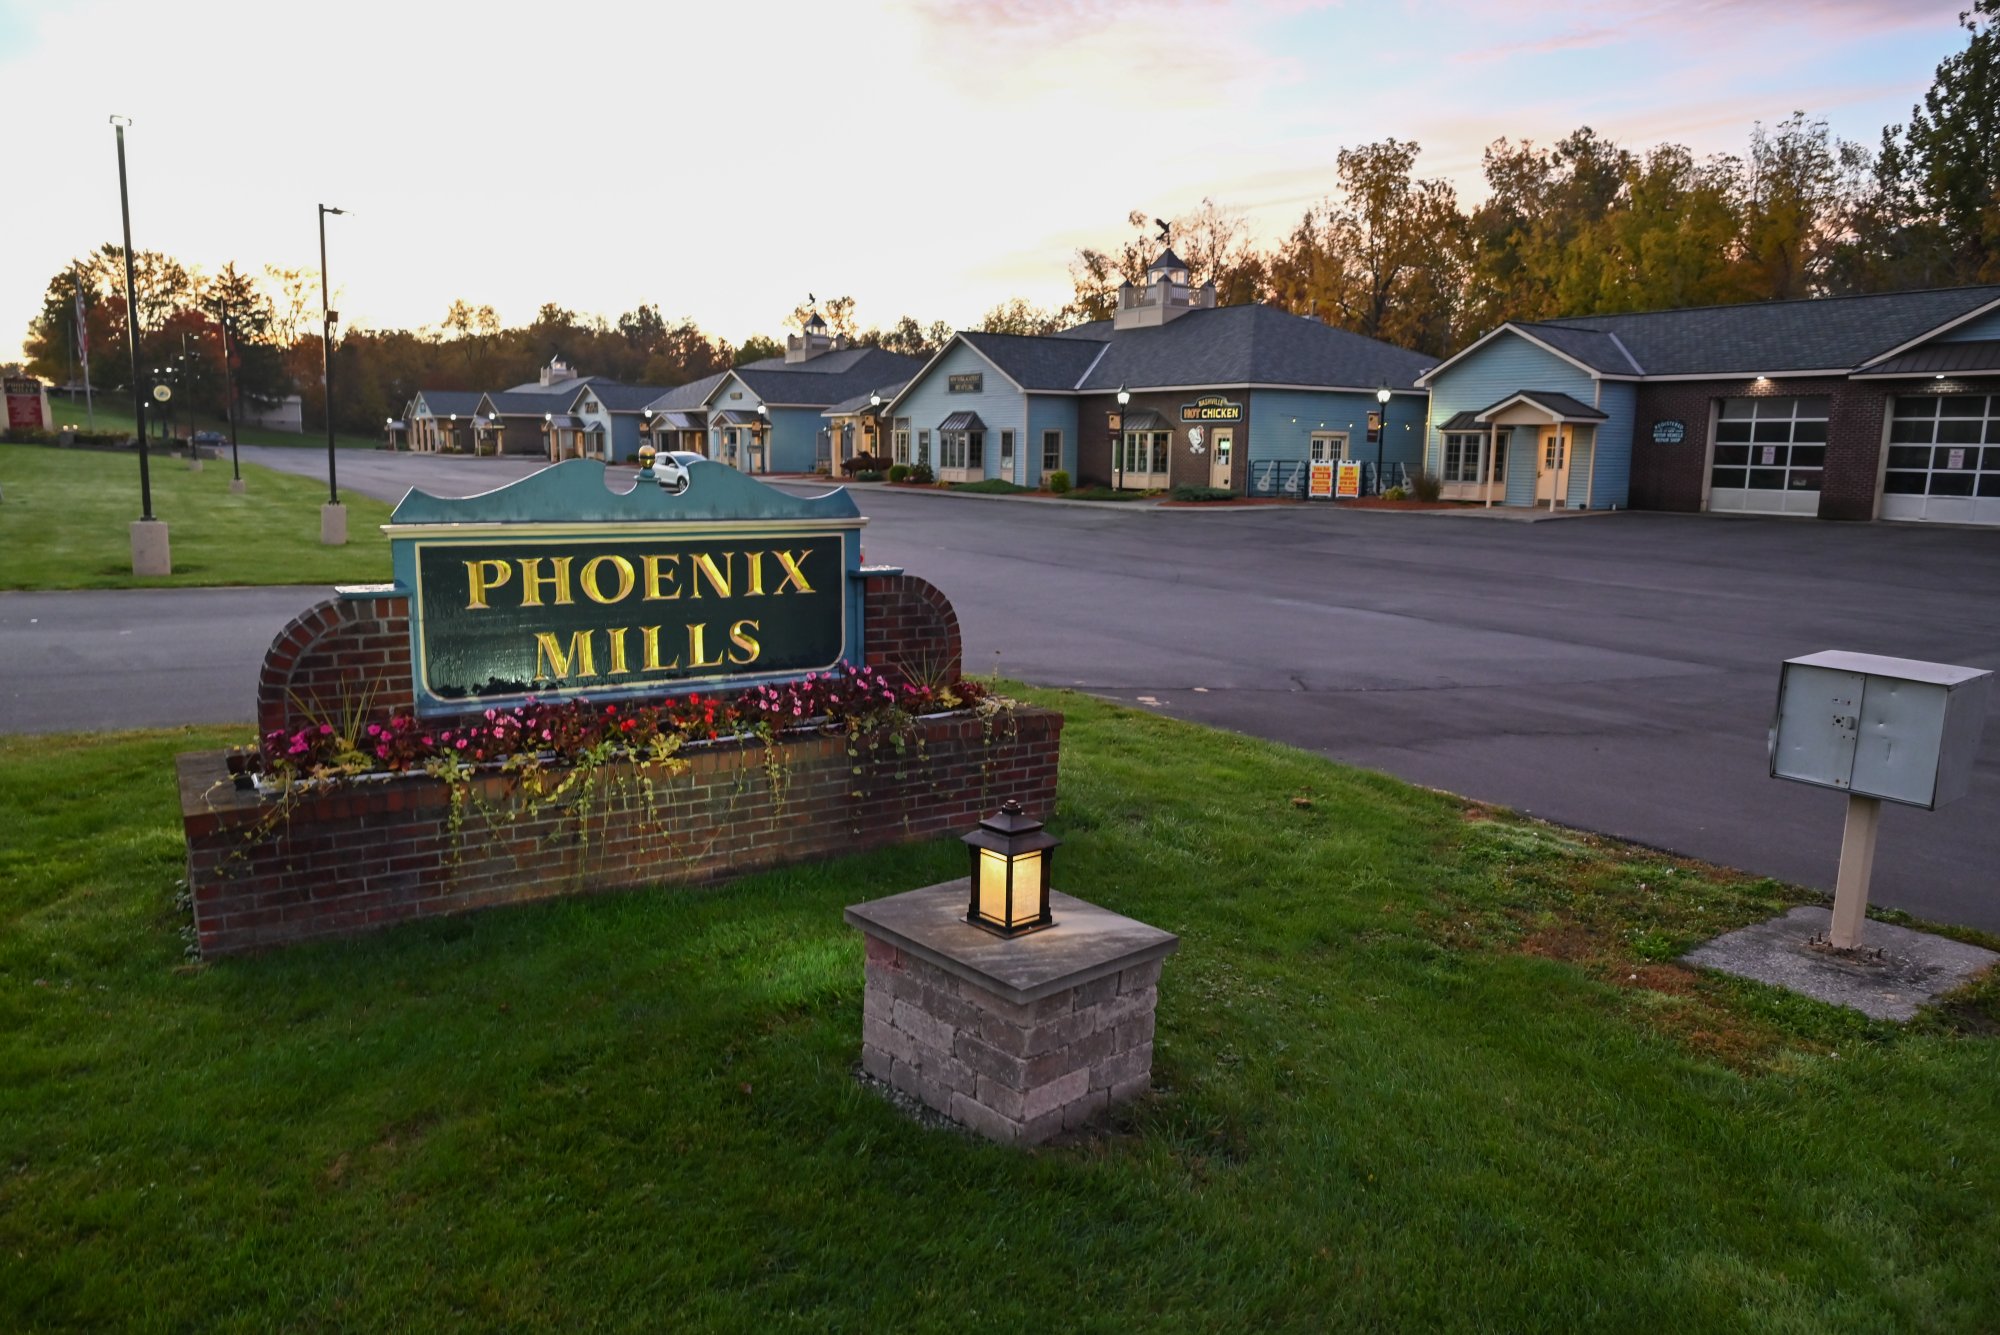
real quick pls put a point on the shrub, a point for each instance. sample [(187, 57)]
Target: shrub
[(992, 486), (1429, 486), (1395, 494), (1059, 482), (1202, 494), (922, 474), (897, 472), (866, 475)]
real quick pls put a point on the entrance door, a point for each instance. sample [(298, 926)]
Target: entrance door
[(1551, 466), (1222, 455)]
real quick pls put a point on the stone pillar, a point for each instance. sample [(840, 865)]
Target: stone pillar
[(1017, 1039)]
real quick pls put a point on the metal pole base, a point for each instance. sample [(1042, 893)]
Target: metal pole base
[(333, 525), (236, 485), (194, 461), (1857, 866), (151, 556)]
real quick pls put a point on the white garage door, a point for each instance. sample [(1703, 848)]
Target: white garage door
[(1769, 454), (1944, 459)]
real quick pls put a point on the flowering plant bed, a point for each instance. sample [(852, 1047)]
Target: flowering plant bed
[(346, 827)]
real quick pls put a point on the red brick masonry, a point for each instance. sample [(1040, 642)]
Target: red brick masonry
[(362, 855), (347, 859)]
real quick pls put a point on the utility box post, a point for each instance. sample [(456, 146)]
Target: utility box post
[(1878, 729)]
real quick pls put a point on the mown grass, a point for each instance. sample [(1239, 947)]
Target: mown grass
[(113, 412), (66, 515), (991, 486), (1419, 1065), (1102, 493)]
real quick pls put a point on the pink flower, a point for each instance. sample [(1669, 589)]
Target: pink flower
[(461, 743)]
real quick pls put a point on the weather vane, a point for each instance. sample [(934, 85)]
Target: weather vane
[(1165, 227)]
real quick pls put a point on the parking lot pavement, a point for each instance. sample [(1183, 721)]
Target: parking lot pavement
[(1617, 674)]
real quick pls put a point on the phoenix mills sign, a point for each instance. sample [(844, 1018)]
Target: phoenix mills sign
[(556, 586)]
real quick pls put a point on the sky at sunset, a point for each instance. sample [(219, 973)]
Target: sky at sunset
[(723, 160)]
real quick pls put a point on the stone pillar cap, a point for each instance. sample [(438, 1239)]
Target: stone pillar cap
[(1086, 943)]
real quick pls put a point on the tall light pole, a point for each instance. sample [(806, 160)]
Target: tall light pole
[(333, 515), (226, 319), (1381, 431), (150, 554), (1118, 443)]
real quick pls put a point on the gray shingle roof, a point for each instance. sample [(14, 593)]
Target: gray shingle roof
[(1097, 330), (850, 406), (691, 395), (621, 398), (445, 402), (1037, 362), (1258, 345), (513, 403), (810, 385), (1592, 347), (1561, 404), (1824, 333), (1942, 359)]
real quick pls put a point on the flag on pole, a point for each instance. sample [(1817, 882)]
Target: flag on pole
[(82, 324)]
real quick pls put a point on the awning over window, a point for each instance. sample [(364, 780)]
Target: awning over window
[(1465, 421), (737, 417), (962, 422), (1546, 404), (562, 421), (678, 421), (1145, 419)]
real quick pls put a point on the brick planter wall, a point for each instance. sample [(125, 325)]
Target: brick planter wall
[(362, 855)]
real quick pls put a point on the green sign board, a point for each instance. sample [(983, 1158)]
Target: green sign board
[(557, 586)]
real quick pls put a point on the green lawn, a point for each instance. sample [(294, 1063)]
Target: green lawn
[(66, 515), (1419, 1066), (113, 412)]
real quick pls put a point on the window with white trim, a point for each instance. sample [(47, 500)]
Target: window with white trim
[(962, 450), (1770, 444), (901, 439), (1051, 451), (1944, 445), (1145, 452), (1464, 456), (1007, 455), (924, 448), (1329, 445)]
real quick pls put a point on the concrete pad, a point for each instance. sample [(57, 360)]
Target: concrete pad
[(1896, 973), (333, 525), (152, 555)]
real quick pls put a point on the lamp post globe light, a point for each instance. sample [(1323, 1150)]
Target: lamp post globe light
[(150, 553), (332, 515), (1011, 855), (1117, 441)]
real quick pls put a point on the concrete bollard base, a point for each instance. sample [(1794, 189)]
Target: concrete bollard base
[(236, 484), (150, 553), (333, 525)]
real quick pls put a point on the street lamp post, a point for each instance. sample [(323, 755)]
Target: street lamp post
[(150, 553), (1117, 444), (332, 515), (226, 321), (1381, 431), (186, 374)]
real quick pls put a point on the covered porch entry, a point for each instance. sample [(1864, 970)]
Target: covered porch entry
[(1551, 448)]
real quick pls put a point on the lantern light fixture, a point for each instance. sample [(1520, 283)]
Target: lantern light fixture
[(1382, 394), (1124, 396), (1011, 854)]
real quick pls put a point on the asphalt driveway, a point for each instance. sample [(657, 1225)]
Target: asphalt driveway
[(1614, 673)]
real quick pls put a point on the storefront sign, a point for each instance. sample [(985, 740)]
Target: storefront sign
[(1374, 426), (1211, 408), (1319, 480), (1770, 455), (1114, 422), (1669, 433), (965, 384), (25, 404), (608, 595), (1347, 484)]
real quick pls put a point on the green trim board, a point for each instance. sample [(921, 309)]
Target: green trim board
[(557, 585)]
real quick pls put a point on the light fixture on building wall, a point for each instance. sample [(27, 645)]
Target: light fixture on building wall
[(1011, 855)]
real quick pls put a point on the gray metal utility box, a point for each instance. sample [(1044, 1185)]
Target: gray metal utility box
[(1894, 728)]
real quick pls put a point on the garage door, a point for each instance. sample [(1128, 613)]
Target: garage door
[(1944, 459), (1769, 454)]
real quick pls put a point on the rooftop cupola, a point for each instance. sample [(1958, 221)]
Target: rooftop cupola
[(1168, 294), (557, 371), (816, 339)]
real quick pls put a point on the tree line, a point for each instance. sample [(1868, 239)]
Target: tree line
[(1579, 227)]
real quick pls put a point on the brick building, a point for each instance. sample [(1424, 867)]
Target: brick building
[(1840, 407)]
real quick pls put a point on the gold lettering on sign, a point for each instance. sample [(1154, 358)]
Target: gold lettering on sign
[(656, 578), (626, 577), (650, 644), (705, 568), (533, 581), (483, 576), (559, 660), (697, 633), (753, 573), (742, 640), (793, 575), (617, 634)]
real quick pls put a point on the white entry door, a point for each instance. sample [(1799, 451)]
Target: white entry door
[(1551, 466), (1222, 455)]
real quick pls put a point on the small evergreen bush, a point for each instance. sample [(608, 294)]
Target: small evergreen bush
[(897, 472), (1202, 494), (1059, 481)]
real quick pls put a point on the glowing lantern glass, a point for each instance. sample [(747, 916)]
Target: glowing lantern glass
[(1011, 853)]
